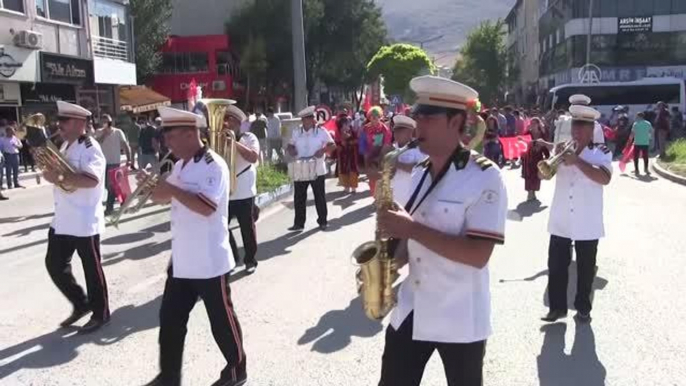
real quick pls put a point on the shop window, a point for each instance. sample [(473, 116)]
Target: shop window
[(65, 11), (184, 62), (12, 5)]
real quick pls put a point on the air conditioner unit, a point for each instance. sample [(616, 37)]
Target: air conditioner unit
[(29, 39)]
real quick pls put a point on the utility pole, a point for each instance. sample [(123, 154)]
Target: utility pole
[(299, 69), (590, 32)]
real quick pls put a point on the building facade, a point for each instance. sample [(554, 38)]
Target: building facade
[(523, 51), (78, 51), (630, 40)]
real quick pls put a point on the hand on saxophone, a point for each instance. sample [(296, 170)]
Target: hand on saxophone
[(396, 223), (570, 158)]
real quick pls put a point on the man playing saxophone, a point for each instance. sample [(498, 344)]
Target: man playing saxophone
[(79, 219), (451, 223)]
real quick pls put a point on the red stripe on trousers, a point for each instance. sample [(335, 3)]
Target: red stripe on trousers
[(101, 275), (232, 322)]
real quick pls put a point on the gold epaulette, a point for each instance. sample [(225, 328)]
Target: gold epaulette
[(86, 140), (603, 148), (208, 158), (483, 162)]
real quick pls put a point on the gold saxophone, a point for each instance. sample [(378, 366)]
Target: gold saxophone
[(378, 270), (46, 155)]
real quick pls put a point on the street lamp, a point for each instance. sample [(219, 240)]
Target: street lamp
[(299, 69), (590, 32)]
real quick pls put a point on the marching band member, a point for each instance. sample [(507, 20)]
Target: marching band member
[(79, 220), (576, 215), (403, 132), (198, 189), (242, 201), (564, 130), (451, 224), (308, 141)]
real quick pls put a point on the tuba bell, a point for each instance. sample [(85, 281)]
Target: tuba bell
[(221, 141), (46, 155)]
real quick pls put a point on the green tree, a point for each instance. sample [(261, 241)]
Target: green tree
[(482, 62), (254, 63), (151, 30), (398, 64)]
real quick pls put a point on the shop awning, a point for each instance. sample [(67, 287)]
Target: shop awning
[(140, 99)]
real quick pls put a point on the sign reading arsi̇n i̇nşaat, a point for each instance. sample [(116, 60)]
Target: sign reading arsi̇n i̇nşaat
[(635, 24)]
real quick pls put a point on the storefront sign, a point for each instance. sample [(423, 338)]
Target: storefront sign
[(10, 94), (65, 69), (590, 73), (8, 65), (47, 93), (635, 24), (18, 64)]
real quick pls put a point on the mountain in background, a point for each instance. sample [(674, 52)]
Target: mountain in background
[(413, 21)]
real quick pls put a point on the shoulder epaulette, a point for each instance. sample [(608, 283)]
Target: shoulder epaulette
[(208, 158), (86, 140), (603, 148), (483, 162)]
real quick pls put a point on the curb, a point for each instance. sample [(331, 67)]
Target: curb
[(667, 174), (265, 199)]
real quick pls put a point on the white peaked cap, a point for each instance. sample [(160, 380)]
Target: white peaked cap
[(172, 117), (70, 110), (404, 121), (237, 113), (442, 92), (307, 112), (584, 113), (579, 99)]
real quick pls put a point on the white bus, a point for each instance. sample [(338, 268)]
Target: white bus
[(638, 96)]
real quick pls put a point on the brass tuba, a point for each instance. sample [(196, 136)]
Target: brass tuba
[(46, 155), (221, 141), (548, 168), (378, 270)]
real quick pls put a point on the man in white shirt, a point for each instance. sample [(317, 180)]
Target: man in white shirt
[(198, 189), (450, 226), (576, 216), (403, 132), (112, 141), (563, 130), (78, 220), (310, 141), (274, 143), (242, 200)]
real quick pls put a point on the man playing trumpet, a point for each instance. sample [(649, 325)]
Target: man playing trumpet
[(576, 215)]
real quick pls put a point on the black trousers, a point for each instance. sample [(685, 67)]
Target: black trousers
[(637, 152), (180, 296), (301, 200), (559, 258), (404, 359), (58, 261), (242, 210)]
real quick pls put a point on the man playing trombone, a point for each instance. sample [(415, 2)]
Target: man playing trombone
[(576, 215)]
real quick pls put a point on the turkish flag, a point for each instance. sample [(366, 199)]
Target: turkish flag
[(514, 147), (120, 183), (627, 155)]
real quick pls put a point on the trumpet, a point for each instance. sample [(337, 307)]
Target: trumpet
[(548, 168), (137, 200), (46, 155)]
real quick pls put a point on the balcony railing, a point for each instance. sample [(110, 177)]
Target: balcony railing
[(110, 48)]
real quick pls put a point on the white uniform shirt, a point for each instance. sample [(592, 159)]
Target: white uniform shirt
[(247, 181), (563, 133), (80, 213), (200, 244), (451, 301), (308, 142), (577, 209), (402, 181)]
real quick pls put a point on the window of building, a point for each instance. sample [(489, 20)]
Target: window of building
[(108, 20), (606, 8), (66, 11), (663, 7), (226, 63), (184, 62), (12, 5), (678, 6)]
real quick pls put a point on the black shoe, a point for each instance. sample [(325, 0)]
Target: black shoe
[(322, 227), (93, 325), (583, 317), (108, 212), (240, 380), (647, 173), (19, 186), (164, 381), (75, 316), (250, 268), (296, 228), (553, 316), (3, 198)]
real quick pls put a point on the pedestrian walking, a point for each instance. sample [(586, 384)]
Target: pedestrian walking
[(677, 124), (78, 221), (377, 136), (454, 218), (259, 128), (348, 147), (242, 200), (404, 129), (641, 133), (149, 147), (10, 146), (536, 153), (198, 190), (662, 125), (113, 142), (274, 141), (2, 168), (576, 216)]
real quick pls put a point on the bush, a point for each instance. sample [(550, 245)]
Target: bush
[(676, 152), (269, 178)]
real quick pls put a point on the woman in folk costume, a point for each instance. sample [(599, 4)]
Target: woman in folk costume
[(536, 153), (377, 136), (347, 154)]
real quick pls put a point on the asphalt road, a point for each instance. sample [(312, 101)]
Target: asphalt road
[(303, 321)]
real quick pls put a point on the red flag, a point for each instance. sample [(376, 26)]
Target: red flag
[(627, 155), (120, 183), (514, 147)]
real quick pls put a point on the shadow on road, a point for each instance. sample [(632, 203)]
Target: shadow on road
[(599, 283), (62, 346), (27, 231), (525, 209), (25, 218), (581, 367), (137, 253), (640, 177), (335, 329)]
